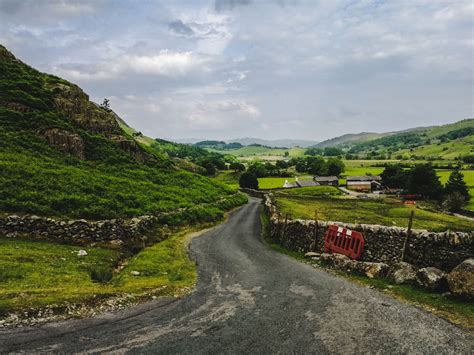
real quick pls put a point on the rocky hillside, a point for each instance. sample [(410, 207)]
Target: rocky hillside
[(61, 154)]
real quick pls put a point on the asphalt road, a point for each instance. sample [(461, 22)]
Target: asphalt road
[(251, 299)]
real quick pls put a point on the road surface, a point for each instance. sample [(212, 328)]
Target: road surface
[(251, 299)]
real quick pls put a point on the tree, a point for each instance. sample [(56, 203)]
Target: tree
[(210, 168), (454, 202), (316, 165), (394, 176), (332, 152), (281, 164), (313, 151), (287, 153), (457, 184), (106, 104), (422, 180), (237, 166), (335, 166), (248, 180), (258, 169)]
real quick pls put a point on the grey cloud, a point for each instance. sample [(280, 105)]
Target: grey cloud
[(181, 28), (224, 5), (311, 70)]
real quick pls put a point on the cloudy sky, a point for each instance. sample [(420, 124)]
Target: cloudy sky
[(225, 69)]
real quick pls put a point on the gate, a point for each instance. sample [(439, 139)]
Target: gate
[(344, 241)]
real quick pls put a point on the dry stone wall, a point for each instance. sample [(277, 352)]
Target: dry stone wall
[(382, 244), (116, 231)]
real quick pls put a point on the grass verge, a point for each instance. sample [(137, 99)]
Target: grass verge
[(456, 311), (386, 212), (34, 274)]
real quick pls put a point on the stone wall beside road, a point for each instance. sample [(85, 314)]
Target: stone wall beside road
[(382, 244)]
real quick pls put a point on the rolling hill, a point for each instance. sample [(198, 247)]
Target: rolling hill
[(445, 142), (63, 155)]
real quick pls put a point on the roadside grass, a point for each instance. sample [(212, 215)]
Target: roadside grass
[(37, 274), (457, 311), (385, 212)]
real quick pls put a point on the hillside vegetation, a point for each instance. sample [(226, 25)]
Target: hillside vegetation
[(62, 155), (447, 142)]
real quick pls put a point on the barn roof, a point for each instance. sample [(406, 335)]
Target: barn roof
[(307, 183), (364, 178), (325, 178)]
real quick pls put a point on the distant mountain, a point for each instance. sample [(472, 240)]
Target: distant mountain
[(287, 143)]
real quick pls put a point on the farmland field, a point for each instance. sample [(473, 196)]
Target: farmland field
[(277, 182), (384, 212), (311, 191), (260, 152)]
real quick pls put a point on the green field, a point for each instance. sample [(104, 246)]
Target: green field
[(36, 274), (384, 212), (264, 153), (277, 182), (311, 191)]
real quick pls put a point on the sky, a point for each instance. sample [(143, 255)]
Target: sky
[(224, 69)]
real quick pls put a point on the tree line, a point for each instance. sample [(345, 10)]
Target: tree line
[(422, 180)]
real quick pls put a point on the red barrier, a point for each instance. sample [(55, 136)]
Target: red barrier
[(344, 241)]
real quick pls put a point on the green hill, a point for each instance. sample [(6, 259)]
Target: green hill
[(62, 155), (446, 142)]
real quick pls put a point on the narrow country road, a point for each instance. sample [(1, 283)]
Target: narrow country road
[(251, 299)]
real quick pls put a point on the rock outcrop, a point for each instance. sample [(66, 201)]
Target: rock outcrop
[(66, 142), (403, 273), (461, 279), (432, 279), (74, 104)]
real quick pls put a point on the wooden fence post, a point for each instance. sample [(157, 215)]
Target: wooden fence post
[(405, 243), (316, 230)]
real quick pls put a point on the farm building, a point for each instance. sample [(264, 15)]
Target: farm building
[(299, 183), (364, 183), (327, 180)]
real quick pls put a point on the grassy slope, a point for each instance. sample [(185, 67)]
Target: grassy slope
[(109, 183), (447, 151), (390, 213), (37, 274)]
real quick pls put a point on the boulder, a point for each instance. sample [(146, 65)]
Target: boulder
[(372, 270), (432, 279), (82, 253), (402, 273), (135, 273), (461, 279), (312, 254)]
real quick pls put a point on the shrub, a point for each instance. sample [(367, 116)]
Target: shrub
[(248, 180), (101, 274)]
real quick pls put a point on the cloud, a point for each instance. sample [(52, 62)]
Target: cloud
[(224, 5), (279, 69), (179, 27), (165, 63)]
